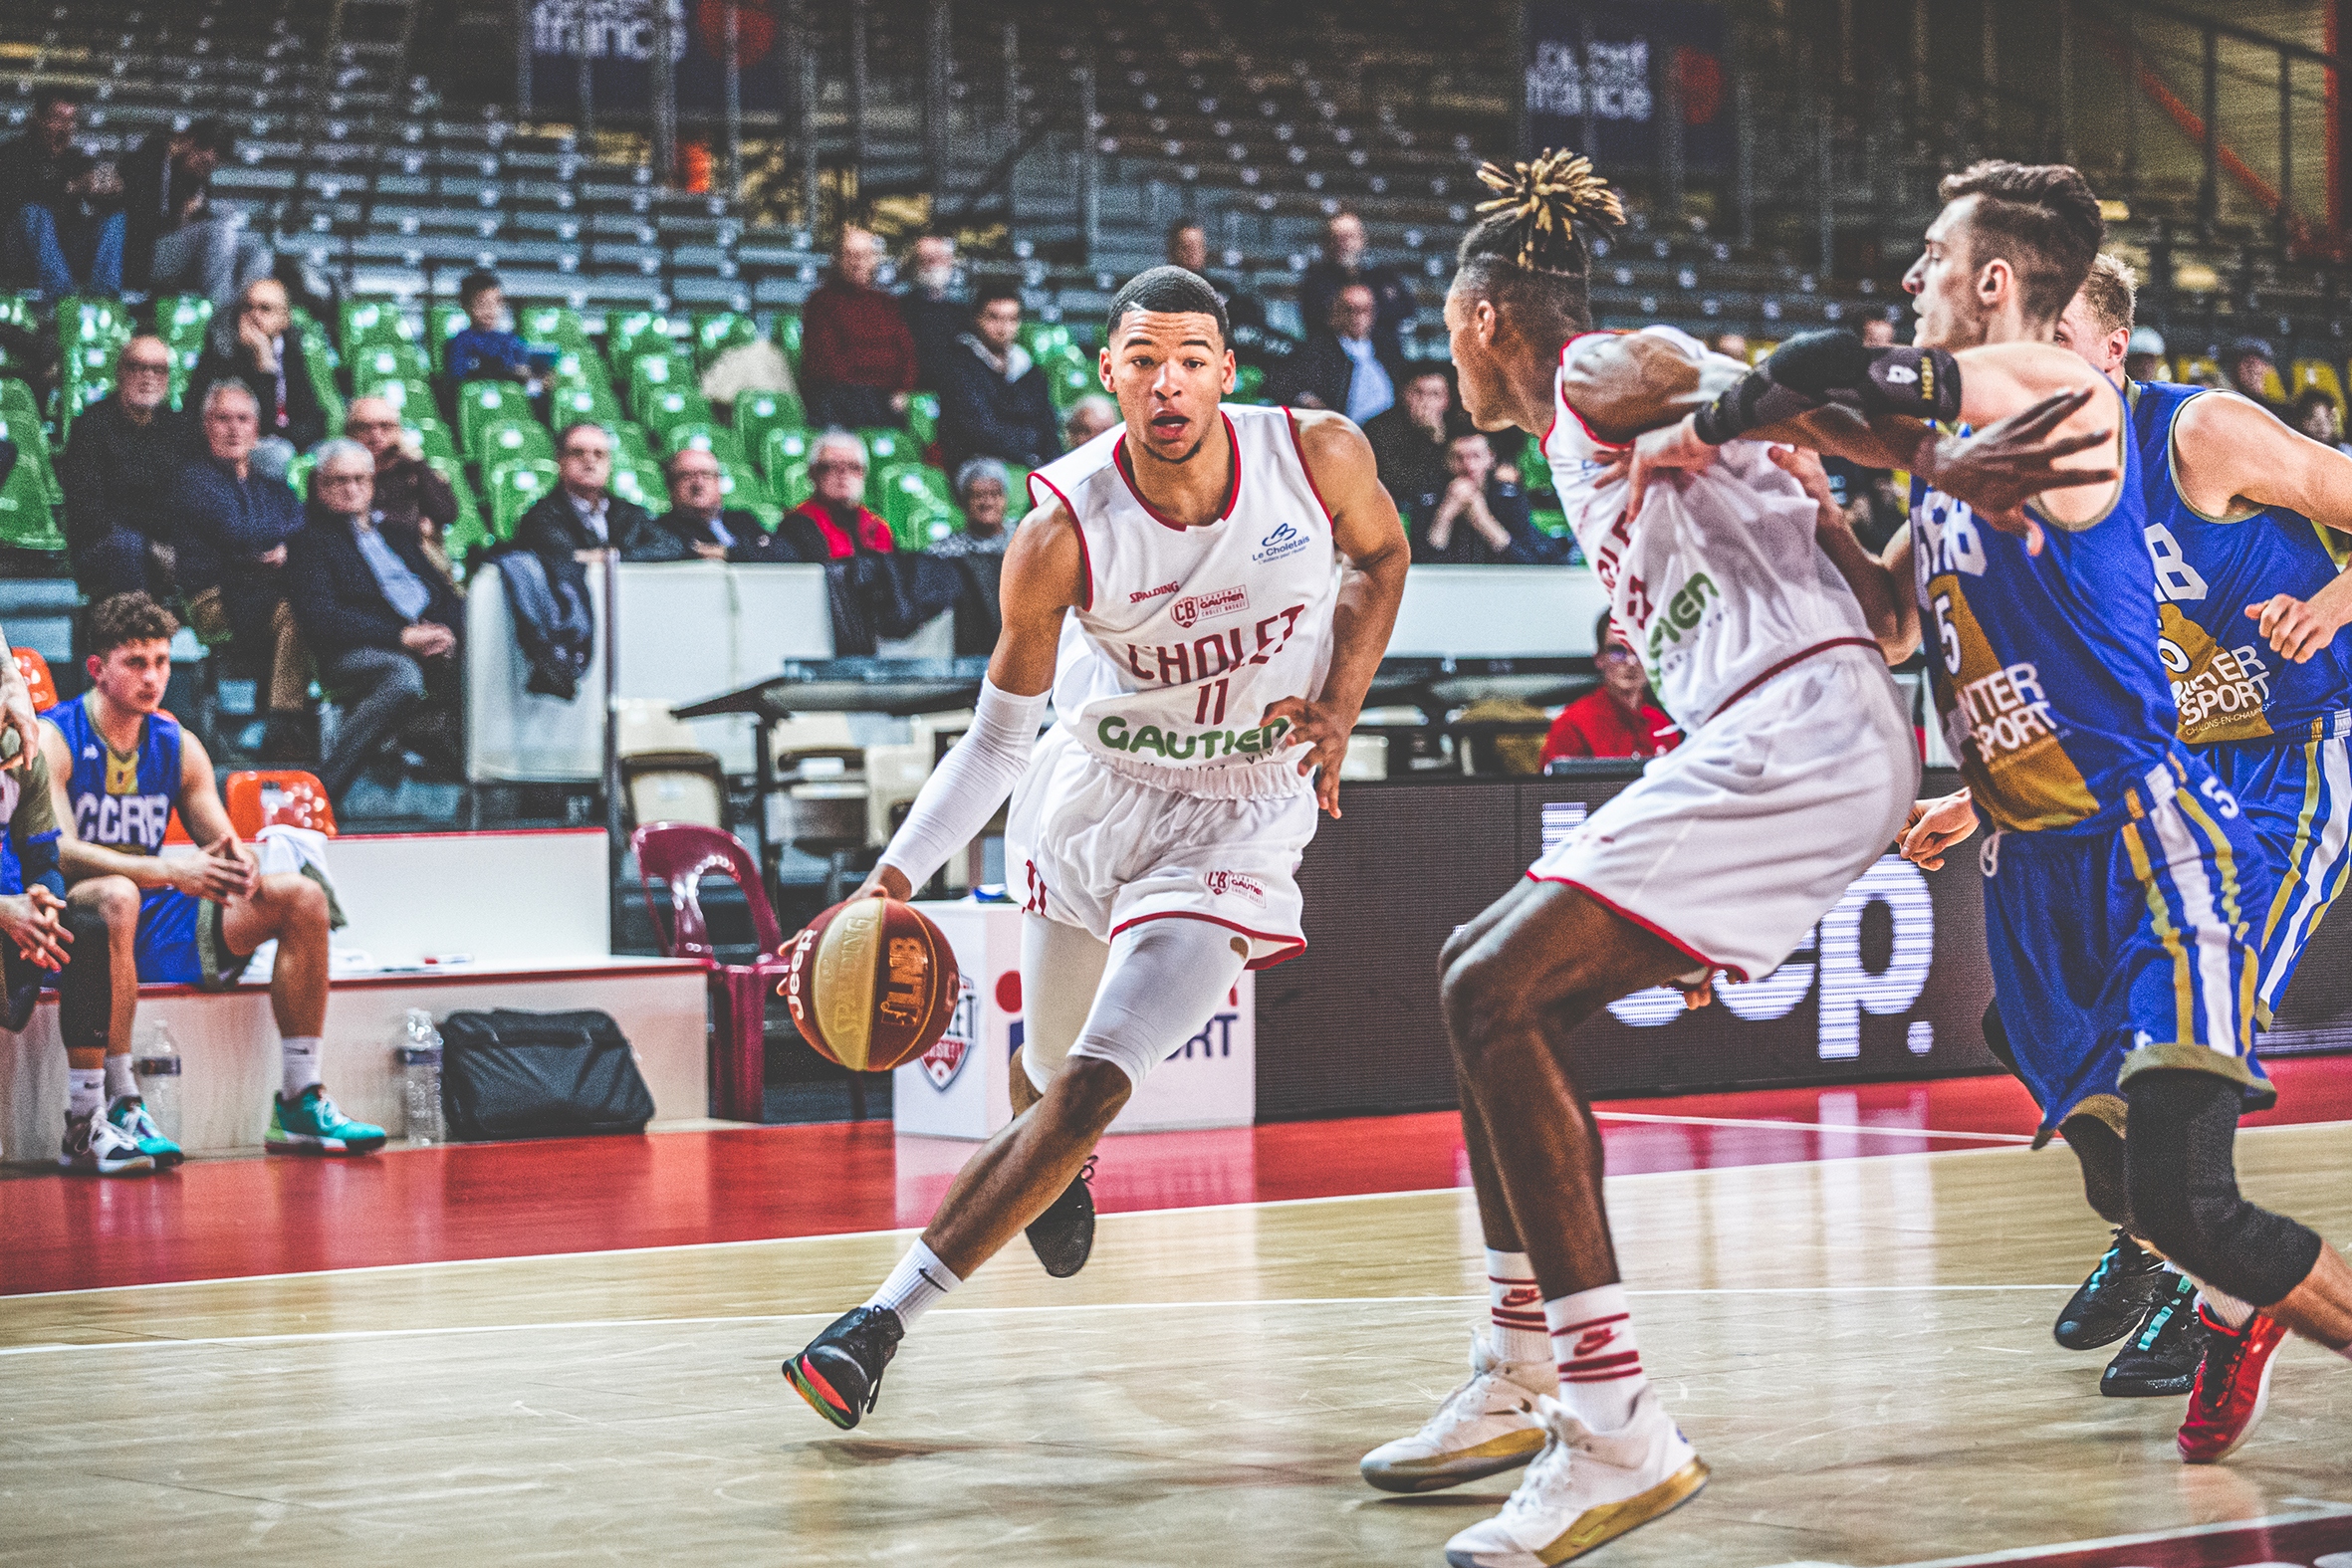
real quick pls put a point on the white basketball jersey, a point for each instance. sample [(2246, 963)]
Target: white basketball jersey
[(1187, 633), (1720, 582)]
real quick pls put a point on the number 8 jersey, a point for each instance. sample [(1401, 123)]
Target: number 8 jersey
[(2046, 673), (1186, 634)]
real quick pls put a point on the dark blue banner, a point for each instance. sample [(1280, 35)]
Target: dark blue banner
[(619, 38), (1610, 61)]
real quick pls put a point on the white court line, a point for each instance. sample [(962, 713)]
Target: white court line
[(1815, 1127), (2316, 1510), (329, 1336)]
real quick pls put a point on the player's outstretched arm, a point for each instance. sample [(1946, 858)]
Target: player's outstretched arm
[(1372, 548), (2228, 452), (1044, 576)]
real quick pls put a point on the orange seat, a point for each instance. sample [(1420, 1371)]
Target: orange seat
[(274, 797), (35, 670), (176, 832)]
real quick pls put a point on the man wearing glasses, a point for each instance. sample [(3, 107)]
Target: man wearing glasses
[(837, 512), (410, 498), (583, 519), (1619, 719), (118, 474)]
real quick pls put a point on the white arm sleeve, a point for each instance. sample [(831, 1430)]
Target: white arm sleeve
[(969, 784)]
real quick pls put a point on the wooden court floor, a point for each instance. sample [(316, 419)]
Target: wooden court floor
[(1860, 1348)]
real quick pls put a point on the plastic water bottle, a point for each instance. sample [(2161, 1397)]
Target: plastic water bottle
[(157, 1071), (420, 1079)]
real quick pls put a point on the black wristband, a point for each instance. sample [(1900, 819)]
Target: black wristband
[(1815, 369)]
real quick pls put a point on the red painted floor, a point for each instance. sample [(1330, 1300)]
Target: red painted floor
[(242, 1218)]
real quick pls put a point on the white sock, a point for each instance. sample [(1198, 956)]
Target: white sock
[(299, 1055), (2223, 1310), (86, 1091), (1601, 1373), (119, 1079), (919, 1281), (1515, 1304)]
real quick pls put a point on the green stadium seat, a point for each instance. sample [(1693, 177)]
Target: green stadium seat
[(569, 405), (790, 483), (556, 325), (788, 337), (298, 474), (739, 486), (442, 323), (1066, 383), (678, 406), (17, 397), (757, 413), (507, 439), (368, 323), (922, 418), (630, 442), (481, 404), (652, 373), (412, 399), (19, 425), (641, 483), (717, 440), (716, 331), (783, 446), (515, 487), (1017, 501), (1249, 385), (1042, 339), (388, 363), (432, 438), (28, 517), (635, 335), (320, 358)]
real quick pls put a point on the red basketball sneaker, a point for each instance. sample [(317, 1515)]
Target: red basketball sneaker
[(2232, 1387)]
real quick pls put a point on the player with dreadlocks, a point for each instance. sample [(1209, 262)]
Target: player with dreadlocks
[(1733, 583)]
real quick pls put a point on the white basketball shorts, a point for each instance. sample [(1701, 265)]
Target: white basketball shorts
[(1090, 848), (1732, 845)]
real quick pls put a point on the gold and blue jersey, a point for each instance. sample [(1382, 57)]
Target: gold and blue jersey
[(2229, 684), (2045, 668)]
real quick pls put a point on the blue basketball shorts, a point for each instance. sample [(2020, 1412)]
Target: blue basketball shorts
[(2298, 796), (179, 941), (2119, 950)]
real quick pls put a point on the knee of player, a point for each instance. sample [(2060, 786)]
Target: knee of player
[(303, 901), (1091, 1091), (86, 924), (115, 899), (1484, 996)]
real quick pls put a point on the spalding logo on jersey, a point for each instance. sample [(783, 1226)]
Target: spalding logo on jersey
[(1284, 541)]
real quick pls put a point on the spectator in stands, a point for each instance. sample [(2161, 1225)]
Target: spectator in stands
[(121, 463), (1343, 367), (189, 919), (1188, 247), (1087, 418), (52, 192), (1618, 719), (982, 485), (2143, 360), (375, 612), (489, 349), (411, 500), (261, 346), (935, 314), (581, 516), (1346, 264), (1878, 332), (1732, 345), (857, 358), (704, 528), (1481, 517), (229, 526), (1409, 441), (172, 240), (993, 398), (837, 513), (2314, 413), (2250, 363)]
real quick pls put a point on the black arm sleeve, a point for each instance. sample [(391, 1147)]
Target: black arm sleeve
[(1816, 368)]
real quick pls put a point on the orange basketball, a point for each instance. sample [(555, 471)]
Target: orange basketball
[(871, 982)]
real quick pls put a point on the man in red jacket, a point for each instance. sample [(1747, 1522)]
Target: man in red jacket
[(833, 524), (1618, 720), (857, 358)]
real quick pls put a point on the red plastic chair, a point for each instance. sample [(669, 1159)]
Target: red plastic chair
[(271, 797), (35, 670), (681, 855)]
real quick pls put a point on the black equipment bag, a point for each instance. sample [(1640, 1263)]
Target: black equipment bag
[(508, 1073)]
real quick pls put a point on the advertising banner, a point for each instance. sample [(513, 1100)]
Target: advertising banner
[(619, 38), (1607, 60)]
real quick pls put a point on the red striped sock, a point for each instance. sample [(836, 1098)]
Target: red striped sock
[(1593, 1343), (1516, 1305)]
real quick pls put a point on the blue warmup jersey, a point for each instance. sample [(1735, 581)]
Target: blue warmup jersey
[(2274, 730), (126, 804), (2121, 879)]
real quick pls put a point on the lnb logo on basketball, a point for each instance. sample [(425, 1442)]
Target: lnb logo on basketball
[(2006, 711), (909, 971), (1196, 607)]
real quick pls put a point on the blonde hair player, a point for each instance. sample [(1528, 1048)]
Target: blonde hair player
[(1206, 591), (1732, 583)]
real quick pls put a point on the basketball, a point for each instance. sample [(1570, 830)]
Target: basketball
[(871, 982)]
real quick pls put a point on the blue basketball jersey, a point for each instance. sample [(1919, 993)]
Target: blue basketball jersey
[(122, 802), (2229, 684), (2044, 667)]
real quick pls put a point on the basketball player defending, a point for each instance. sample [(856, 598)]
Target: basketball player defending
[(2049, 674), (119, 769), (1723, 856), (1207, 591)]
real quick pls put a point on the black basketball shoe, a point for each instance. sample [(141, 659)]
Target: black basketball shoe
[(1064, 1236), (840, 1373), (2115, 1298), (2163, 1357)]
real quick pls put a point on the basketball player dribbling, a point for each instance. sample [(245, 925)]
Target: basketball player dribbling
[(1205, 593), (1798, 772)]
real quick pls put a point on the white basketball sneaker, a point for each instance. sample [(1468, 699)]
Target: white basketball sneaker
[(1486, 1425), (1586, 1488)]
